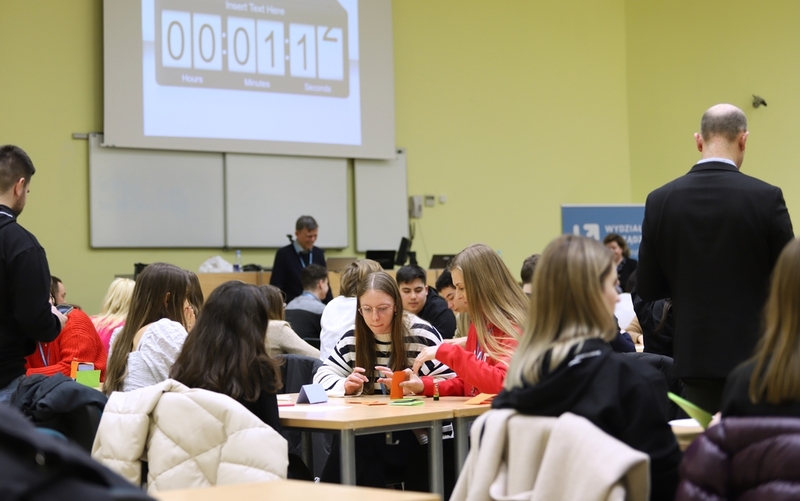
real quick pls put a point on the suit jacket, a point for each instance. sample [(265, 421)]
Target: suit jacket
[(287, 268), (709, 241)]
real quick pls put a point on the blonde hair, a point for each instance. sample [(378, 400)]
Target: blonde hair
[(116, 303), (567, 306), (354, 274), (493, 297), (776, 376)]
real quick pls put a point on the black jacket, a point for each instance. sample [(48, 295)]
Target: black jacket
[(25, 314), (438, 314), (287, 267), (658, 337), (42, 467), (709, 241), (736, 397), (622, 396)]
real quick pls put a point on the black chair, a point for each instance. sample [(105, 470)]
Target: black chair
[(305, 323), (297, 370)]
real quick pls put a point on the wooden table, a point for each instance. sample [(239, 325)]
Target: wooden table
[(686, 434), (292, 490), (351, 420)]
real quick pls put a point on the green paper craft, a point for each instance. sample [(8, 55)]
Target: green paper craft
[(406, 401), (88, 378), (699, 415)]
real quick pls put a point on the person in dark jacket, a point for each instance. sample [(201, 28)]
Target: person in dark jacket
[(424, 301), (25, 314), (769, 383), (565, 364), (290, 260)]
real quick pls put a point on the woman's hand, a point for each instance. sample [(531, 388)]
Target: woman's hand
[(412, 385), (428, 353), (355, 381)]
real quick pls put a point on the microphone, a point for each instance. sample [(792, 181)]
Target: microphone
[(289, 236)]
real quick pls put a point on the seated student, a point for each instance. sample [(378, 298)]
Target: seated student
[(424, 301), (144, 349), (446, 289), (305, 311), (339, 316), (114, 309), (622, 259), (526, 273), (57, 290), (564, 363), (769, 383), (385, 339), (280, 338), (196, 298), (78, 341), (225, 352), (496, 306)]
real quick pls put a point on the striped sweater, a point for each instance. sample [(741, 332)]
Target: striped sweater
[(343, 358)]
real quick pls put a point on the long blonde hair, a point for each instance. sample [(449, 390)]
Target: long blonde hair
[(116, 303), (493, 297), (160, 292), (776, 376), (567, 306)]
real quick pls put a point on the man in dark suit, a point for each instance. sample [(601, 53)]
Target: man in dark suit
[(290, 260), (709, 241)]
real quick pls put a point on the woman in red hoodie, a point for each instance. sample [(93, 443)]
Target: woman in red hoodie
[(497, 308)]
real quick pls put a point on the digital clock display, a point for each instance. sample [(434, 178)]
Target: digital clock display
[(296, 47)]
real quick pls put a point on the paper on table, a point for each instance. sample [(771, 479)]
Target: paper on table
[(483, 398), (623, 310), (702, 417)]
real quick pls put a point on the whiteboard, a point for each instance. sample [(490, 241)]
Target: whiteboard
[(265, 195), (154, 198), (381, 194)]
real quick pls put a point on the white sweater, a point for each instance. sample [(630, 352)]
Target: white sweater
[(152, 360), (338, 318)]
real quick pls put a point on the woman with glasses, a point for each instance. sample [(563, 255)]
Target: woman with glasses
[(384, 339), (384, 336), (497, 308)]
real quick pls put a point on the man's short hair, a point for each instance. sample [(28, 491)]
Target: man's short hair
[(445, 280), (408, 274), (729, 124), (311, 275), (305, 223), (14, 164), (528, 267)]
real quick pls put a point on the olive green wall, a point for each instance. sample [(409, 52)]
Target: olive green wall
[(685, 56), (509, 108)]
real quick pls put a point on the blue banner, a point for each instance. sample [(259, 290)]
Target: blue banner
[(597, 221)]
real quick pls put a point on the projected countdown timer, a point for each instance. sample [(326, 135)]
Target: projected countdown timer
[(283, 46)]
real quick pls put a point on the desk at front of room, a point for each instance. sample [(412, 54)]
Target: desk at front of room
[(210, 281)]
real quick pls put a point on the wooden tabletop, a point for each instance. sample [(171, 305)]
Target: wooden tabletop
[(292, 490), (344, 414)]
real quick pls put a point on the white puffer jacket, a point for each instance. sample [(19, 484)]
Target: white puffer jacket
[(189, 438)]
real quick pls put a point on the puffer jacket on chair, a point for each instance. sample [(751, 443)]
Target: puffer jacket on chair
[(749, 458), (189, 438)]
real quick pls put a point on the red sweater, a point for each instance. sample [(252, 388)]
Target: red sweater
[(477, 373), (78, 341)]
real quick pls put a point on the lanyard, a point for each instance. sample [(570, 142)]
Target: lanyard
[(310, 259), (41, 352)]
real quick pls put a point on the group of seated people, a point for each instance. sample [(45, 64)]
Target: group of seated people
[(544, 349)]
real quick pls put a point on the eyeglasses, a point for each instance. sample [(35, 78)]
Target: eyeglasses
[(366, 311)]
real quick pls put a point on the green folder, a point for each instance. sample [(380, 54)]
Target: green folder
[(406, 401), (699, 415)]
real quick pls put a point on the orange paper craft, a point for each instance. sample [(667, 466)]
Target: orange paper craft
[(397, 390), (483, 398)]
